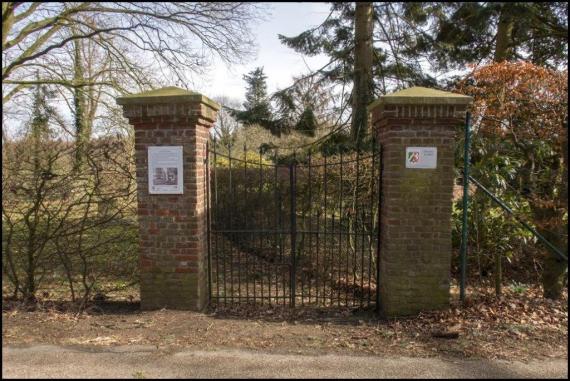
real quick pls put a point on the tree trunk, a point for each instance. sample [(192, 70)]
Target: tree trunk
[(498, 274), (363, 86), (504, 36), (7, 20), (555, 268), (564, 194), (82, 134), (556, 233)]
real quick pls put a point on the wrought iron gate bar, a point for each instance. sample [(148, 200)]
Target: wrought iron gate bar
[(310, 217), (371, 224), (208, 221), (293, 226), (339, 231), (247, 256), (324, 228)]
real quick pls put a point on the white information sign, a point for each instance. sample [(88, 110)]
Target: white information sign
[(165, 170), (421, 157)]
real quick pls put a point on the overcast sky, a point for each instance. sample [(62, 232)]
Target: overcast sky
[(280, 63)]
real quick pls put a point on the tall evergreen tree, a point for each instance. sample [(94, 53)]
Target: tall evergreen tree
[(307, 123), (408, 37), (294, 108), (257, 106), (362, 87), (456, 33), (336, 38)]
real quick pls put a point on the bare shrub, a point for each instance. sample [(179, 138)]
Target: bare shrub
[(60, 224)]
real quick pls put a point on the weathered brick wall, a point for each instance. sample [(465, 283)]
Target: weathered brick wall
[(415, 222), (172, 227)]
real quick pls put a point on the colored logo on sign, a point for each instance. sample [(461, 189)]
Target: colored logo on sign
[(413, 157)]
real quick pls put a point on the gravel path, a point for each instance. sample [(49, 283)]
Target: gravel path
[(48, 361)]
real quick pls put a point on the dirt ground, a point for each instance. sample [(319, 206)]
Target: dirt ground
[(519, 326)]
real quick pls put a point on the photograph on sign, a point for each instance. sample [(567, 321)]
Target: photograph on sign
[(165, 176), (421, 157), (165, 170)]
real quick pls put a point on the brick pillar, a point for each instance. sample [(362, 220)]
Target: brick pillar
[(172, 227), (415, 220)]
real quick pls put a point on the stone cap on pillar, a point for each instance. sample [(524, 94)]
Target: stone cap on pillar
[(171, 94), (418, 95), (168, 101), (414, 102)]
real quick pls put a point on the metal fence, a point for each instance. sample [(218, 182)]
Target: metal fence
[(302, 233)]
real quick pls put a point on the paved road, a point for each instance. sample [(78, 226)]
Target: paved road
[(48, 361)]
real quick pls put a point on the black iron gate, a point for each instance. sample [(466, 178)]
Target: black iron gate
[(301, 233)]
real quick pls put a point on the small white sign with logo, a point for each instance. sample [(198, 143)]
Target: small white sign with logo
[(421, 157), (165, 170)]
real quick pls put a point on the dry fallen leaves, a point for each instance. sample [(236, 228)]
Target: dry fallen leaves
[(518, 325)]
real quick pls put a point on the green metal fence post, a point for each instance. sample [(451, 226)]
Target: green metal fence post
[(465, 206)]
